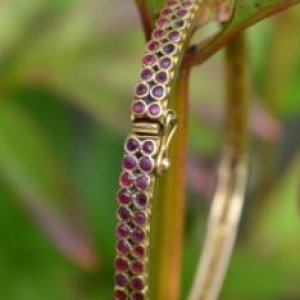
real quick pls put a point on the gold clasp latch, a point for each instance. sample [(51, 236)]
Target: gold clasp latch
[(169, 128)]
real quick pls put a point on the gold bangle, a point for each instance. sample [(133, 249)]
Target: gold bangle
[(146, 148)]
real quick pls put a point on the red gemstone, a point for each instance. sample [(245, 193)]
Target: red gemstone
[(149, 59), (165, 63), (187, 3), (123, 231), (138, 235), (154, 110), (140, 218), (121, 279), (142, 89), (146, 164), (161, 77), (138, 108), (174, 36), (148, 147), (126, 179), (159, 33), (143, 182), (124, 197), (146, 74), (182, 13), (153, 46), (137, 267), (123, 247), (169, 48), (121, 264), (120, 295), (158, 92), (137, 283), (139, 251), (132, 144), (129, 162), (124, 214), (138, 296), (162, 22), (166, 11), (141, 199)]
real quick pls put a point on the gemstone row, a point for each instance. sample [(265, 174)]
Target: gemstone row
[(151, 95)]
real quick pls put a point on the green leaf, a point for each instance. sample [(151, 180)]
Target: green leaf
[(31, 170)]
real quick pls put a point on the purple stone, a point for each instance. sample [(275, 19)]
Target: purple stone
[(179, 24), (137, 267), (143, 182), (123, 247), (123, 231), (138, 296), (140, 218), (141, 199), (159, 33), (124, 214), (153, 46), (139, 251), (138, 107), (121, 264), (146, 74), (148, 147), (137, 283), (121, 279), (138, 235), (154, 110), (182, 13), (169, 48), (174, 36), (126, 179), (158, 92), (146, 164), (161, 77), (120, 295), (149, 59), (142, 89), (129, 162), (165, 63), (132, 144), (187, 3), (124, 197)]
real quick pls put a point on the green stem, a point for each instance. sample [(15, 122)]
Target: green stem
[(169, 208)]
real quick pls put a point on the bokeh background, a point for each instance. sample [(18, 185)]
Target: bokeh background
[(67, 68)]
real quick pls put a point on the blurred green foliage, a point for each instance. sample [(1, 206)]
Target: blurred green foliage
[(66, 74)]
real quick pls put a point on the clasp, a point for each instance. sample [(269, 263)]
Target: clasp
[(168, 131)]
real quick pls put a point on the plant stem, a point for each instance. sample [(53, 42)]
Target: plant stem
[(168, 210), (232, 177), (145, 17)]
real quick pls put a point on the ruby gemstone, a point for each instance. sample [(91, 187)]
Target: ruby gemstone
[(124, 214), (137, 267), (187, 3), (140, 218), (162, 22), (153, 46), (132, 144), (123, 231), (165, 63), (143, 182), (120, 295), (138, 235), (138, 296), (161, 77), (139, 251), (121, 279), (123, 247), (137, 283), (142, 89), (169, 48), (146, 164), (148, 147), (154, 110), (182, 13), (124, 197), (149, 59), (121, 264), (138, 108), (146, 74), (166, 11), (126, 179), (141, 199), (129, 162), (159, 33)]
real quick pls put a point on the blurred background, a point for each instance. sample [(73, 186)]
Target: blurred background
[(67, 68)]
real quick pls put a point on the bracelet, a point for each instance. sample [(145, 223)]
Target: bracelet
[(146, 158)]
